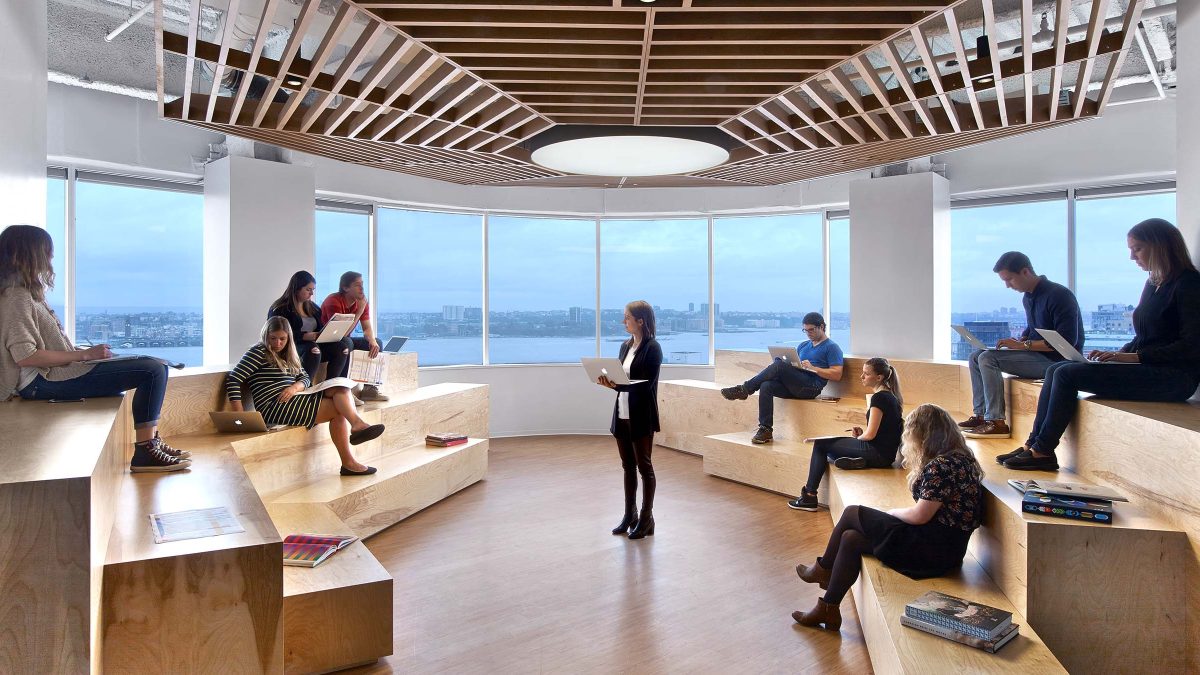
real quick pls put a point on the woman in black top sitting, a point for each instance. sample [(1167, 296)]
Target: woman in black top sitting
[(635, 416), (271, 369), (1165, 348), (875, 447), (925, 540), (304, 317)]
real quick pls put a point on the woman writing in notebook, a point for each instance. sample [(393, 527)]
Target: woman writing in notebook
[(927, 539), (39, 362), (272, 371), (304, 317), (635, 417), (874, 447), (1162, 362)]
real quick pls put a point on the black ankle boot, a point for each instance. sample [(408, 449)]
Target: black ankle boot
[(628, 523), (645, 526)]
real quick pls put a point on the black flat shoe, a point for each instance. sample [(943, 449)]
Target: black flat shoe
[(850, 463), (1031, 463), (363, 435), (1000, 459), (369, 470)]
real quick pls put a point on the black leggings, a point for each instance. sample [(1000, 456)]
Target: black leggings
[(337, 354), (635, 459), (843, 556)]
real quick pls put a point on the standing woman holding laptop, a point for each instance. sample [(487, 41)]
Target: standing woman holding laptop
[(635, 416), (1165, 349)]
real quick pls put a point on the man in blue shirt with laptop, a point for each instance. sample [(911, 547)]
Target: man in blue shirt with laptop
[(820, 361), (1047, 305)]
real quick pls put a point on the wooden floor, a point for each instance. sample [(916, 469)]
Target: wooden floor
[(519, 574)]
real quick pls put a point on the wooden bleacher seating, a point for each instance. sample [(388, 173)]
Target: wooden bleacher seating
[(1104, 598), (115, 601)]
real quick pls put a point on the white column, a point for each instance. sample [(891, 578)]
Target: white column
[(1187, 101), (258, 230), (900, 266), (23, 112)]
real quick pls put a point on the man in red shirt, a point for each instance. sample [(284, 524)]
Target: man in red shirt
[(352, 299)]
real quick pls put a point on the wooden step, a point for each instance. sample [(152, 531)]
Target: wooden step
[(689, 410), (781, 466), (881, 593), (1050, 567), (407, 481), (338, 614)]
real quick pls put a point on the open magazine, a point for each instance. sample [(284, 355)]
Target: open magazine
[(310, 550), (329, 384)]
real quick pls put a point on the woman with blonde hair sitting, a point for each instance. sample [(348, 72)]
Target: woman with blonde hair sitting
[(925, 540), (272, 371)]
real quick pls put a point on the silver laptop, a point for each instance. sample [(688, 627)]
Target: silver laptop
[(1066, 349), (786, 353), (394, 344), (246, 422), (336, 329), (971, 339), (610, 368)]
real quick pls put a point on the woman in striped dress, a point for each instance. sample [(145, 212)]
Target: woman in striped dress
[(272, 371)]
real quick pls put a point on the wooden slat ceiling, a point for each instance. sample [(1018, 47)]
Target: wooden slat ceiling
[(451, 90)]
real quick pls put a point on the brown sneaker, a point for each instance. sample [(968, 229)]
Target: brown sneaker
[(735, 393), (971, 422), (371, 392), (990, 429), (149, 457), (762, 436)]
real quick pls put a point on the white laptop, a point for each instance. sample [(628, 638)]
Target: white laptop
[(336, 329), (245, 422), (610, 368), (786, 353), (971, 339), (1066, 349), (394, 344)]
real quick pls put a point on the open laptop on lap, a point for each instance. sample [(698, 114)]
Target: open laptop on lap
[(1066, 349), (394, 344), (786, 353), (246, 422), (972, 340)]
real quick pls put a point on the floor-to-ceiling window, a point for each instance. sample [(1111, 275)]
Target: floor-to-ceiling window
[(56, 225), (541, 289), (839, 281), (430, 283), (768, 272), (343, 242)]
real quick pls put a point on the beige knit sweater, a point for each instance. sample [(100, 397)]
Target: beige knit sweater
[(25, 327)]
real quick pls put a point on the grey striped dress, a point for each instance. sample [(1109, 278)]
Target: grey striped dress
[(266, 382)]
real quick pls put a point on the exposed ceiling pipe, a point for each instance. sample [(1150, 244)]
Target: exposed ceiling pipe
[(130, 21)]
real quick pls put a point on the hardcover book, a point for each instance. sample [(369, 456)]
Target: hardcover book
[(1094, 510), (445, 439), (989, 646), (310, 550), (964, 616)]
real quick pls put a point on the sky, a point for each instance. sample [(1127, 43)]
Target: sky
[(142, 248)]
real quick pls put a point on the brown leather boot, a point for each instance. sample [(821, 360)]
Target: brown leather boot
[(814, 574), (824, 614)]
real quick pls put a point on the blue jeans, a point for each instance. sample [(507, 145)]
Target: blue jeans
[(827, 450), (783, 380), (1064, 381), (987, 377), (147, 376)]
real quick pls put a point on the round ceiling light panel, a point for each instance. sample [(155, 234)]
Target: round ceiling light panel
[(629, 151)]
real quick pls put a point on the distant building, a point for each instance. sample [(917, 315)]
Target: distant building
[(988, 332), (691, 306), (716, 309), (452, 312), (1113, 318), (473, 314), (576, 314)]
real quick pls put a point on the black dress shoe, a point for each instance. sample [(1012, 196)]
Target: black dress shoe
[(1000, 459), (363, 435), (366, 472), (629, 522), (1031, 463)]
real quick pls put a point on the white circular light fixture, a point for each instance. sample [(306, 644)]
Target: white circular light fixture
[(630, 151)]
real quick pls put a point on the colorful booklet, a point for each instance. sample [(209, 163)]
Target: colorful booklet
[(979, 621), (989, 646), (445, 439), (310, 550), (1094, 510), (1068, 490)]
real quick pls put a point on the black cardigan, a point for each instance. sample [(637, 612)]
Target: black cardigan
[(297, 322), (643, 397), (1166, 324)]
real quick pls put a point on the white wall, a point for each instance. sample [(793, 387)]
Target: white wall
[(547, 399), (1188, 131), (23, 112), (258, 229), (900, 266)]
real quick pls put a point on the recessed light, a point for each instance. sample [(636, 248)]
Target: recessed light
[(598, 150), (293, 82)]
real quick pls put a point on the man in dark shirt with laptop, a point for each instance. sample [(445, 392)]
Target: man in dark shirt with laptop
[(1047, 305)]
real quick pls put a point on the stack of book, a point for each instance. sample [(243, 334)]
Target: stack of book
[(963, 621), (442, 440), (1076, 501), (310, 550)]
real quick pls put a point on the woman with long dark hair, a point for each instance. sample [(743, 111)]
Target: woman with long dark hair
[(927, 539), (635, 417), (304, 317), (272, 372), (39, 362), (874, 447), (1162, 363)]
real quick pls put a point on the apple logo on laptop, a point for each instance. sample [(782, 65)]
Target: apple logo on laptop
[(237, 422)]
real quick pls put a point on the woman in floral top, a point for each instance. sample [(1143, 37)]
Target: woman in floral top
[(927, 539)]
